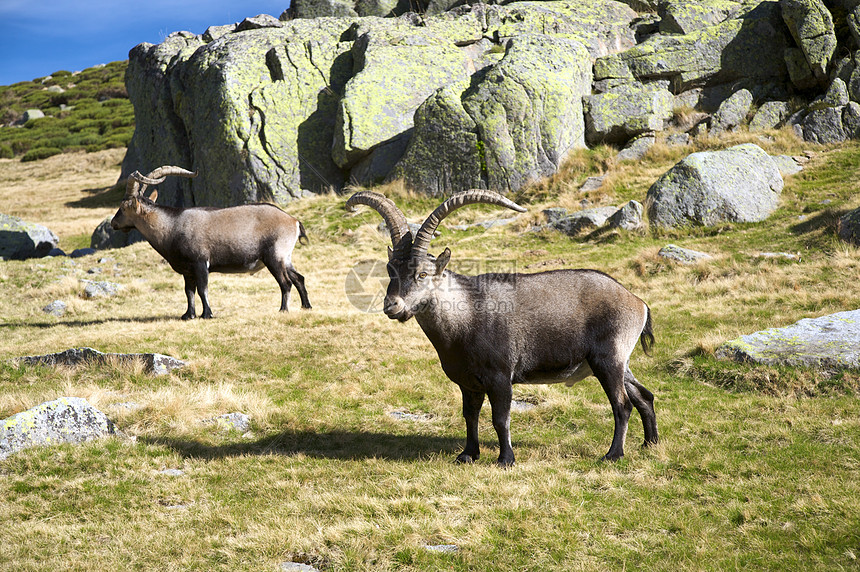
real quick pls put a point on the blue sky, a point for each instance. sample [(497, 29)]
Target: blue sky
[(39, 37)]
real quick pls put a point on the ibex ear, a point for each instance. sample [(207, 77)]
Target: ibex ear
[(442, 261), (390, 253), (136, 204), (154, 195)]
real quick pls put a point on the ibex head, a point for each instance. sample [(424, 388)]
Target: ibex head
[(416, 276), (135, 204)]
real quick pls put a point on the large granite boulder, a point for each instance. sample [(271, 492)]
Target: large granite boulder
[(104, 236), (64, 420), (739, 184), (829, 342), (512, 124), (20, 239), (626, 111), (811, 25)]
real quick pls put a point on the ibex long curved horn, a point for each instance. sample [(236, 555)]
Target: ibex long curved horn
[(401, 236), (422, 239), (137, 182)]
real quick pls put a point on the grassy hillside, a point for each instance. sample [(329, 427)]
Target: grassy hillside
[(87, 110), (757, 468)]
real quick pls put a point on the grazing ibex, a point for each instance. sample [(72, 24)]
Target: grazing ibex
[(494, 330), (197, 241)]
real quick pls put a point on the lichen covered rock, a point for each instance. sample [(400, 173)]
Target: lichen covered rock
[(65, 420), (829, 342), (20, 239), (811, 25), (627, 111), (739, 184)]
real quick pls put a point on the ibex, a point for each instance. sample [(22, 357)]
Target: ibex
[(494, 330), (199, 240)]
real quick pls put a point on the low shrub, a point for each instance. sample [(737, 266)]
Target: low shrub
[(40, 153)]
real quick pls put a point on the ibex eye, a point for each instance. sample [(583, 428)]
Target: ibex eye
[(422, 276)]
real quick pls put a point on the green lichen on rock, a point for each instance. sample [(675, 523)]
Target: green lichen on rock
[(747, 46), (397, 66), (811, 25), (626, 111), (685, 16), (739, 184), (829, 342), (20, 239), (513, 123), (64, 420)]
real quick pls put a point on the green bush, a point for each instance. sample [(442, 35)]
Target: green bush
[(6, 152), (40, 153), (98, 114)]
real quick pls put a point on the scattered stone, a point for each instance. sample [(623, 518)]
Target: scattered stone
[(849, 227), (95, 270), (231, 421), (628, 217), (78, 252), (678, 139), (787, 165), (258, 22), (64, 420), (637, 147), (682, 255), (732, 112), (20, 240), (574, 223), (829, 342), (297, 567), (56, 252), (443, 548), (521, 406), (738, 184), (100, 289), (156, 364), (172, 472), (592, 184), (770, 115), (56, 308), (106, 237), (786, 255), (406, 416), (30, 114), (484, 224), (129, 405)]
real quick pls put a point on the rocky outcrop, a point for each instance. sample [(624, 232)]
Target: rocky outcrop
[(65, 420), (275, 110), (739, 184), (811, 26), (156, 364), (20, 239), (829, 342)]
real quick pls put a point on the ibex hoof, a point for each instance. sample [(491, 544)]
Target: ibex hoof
[(465, 459)]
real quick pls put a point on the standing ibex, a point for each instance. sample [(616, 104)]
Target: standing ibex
[(494, 330), (197, 241)]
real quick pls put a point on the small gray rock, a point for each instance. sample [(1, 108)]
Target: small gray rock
[(78, 252), (172, 472), (297, 567), (443, 548), (732, 112), (231, 421), (682, 255), (406, 416), (628, 217), (637, 147), (589, 219), (592, 184), (64, 420), (56, 308), (100, 289), (849, 227), (786, 165)]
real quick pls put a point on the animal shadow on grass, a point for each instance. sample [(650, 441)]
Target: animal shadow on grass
[(81, 323), (341, 445), (826, 221)]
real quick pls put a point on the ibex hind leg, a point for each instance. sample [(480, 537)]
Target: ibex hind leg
[(610, 373), (643, 400), (299, 282), (190, 292)]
